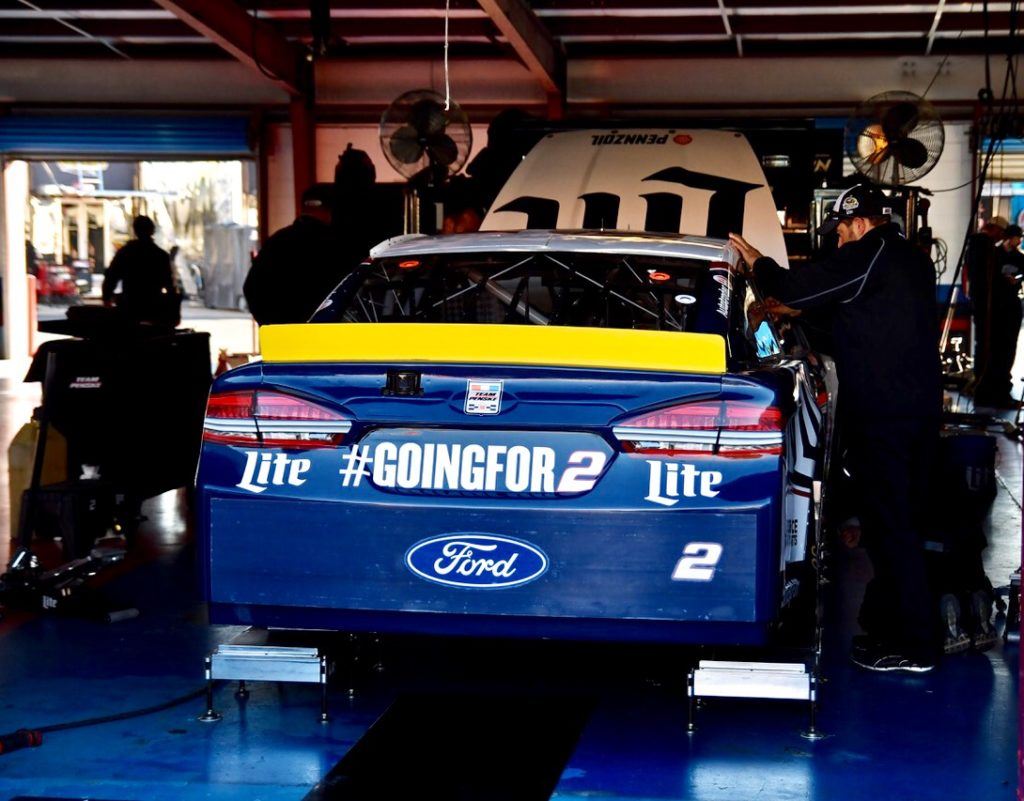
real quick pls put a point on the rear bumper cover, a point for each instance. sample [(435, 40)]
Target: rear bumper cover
[(600, 574)]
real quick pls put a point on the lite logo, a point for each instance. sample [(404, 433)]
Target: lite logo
[(668, 482), (476, 561), (272, 469)]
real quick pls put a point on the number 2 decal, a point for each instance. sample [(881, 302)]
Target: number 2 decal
[(583, 471), (698, 562)]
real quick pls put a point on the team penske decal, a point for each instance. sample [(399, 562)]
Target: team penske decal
[(472, 467), (483, 397)]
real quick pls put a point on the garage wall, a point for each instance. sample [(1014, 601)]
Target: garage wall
[(331, 141), (951, 210), (752, 83), (473, 81), (139, 81), (764, 85)]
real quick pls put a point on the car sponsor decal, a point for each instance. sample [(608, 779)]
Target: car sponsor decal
[(476, 561), (668, 482), (483, 397), (263, 469), (628, 139), (698, 562), (721, 277), (472, 468)]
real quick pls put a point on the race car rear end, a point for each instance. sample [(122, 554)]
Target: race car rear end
[(395, 470)]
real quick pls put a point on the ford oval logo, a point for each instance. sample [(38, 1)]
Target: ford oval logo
[(476, 561)]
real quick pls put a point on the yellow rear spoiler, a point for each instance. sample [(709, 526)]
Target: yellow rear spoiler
[(459, 343)]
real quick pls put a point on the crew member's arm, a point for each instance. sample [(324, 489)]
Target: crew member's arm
[(166, 275), (837, 279), (112, 277)]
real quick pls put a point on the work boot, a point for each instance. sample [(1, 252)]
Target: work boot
[(955, 640), (984, 633)]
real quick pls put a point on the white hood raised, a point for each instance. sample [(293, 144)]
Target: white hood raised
[(700, 182)]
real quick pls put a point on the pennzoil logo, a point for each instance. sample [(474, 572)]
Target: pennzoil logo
[(628, 139), (476, 561)]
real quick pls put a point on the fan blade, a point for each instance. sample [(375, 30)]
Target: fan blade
[(899, 119), (442, 149), (909, 153), (405, 145), (427, 117)]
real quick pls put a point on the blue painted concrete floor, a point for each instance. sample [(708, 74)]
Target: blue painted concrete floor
[(948, 735)]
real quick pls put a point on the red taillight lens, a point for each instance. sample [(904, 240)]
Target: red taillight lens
[(724, 428), (231, 406), (271, 419)]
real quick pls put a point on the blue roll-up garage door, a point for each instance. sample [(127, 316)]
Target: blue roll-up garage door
[(134, 137)]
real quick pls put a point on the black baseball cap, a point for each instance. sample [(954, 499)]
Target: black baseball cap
[(1012, 231), (861, 200)]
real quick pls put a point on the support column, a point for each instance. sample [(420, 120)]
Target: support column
[(14, 186), (303, 146)]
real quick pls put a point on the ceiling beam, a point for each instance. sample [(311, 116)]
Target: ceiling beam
[(536, 47), (253, 42)]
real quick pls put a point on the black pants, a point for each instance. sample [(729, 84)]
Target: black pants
[(996, 334), (893, 462)]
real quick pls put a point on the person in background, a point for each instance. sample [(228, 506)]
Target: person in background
[(995, 266), (462, 212), (879, 291), (143, 270), (298, 266), (510, 137), (357, 219)]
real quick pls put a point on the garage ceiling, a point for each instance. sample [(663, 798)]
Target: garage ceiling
[(141, 29)]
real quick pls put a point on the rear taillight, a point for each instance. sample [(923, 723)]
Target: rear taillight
[(272, 420), (723, 428)]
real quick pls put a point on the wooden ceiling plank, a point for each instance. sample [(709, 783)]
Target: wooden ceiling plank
[(536, 47), (251, 41)]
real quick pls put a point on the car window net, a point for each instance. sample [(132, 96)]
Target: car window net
[(590, 290)]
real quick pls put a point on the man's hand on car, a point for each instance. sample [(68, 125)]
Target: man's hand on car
[(747, 252)]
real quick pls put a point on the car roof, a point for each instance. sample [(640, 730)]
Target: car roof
[(625, 243)]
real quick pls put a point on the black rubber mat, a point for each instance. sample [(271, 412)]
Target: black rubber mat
[(460, 748)]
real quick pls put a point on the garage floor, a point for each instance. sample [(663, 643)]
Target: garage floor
[(462, 720)]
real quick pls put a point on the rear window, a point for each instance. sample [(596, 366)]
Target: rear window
[(577, 289)]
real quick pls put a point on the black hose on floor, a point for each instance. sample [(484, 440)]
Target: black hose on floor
[(31, 738)]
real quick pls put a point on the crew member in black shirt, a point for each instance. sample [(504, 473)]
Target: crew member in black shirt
[(143, 269), (879, 291), (299, 265)]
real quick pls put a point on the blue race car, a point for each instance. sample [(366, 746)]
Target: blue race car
[(529, 434)]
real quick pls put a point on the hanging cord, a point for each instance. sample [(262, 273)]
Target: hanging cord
[(938, 71), (447, 84)]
